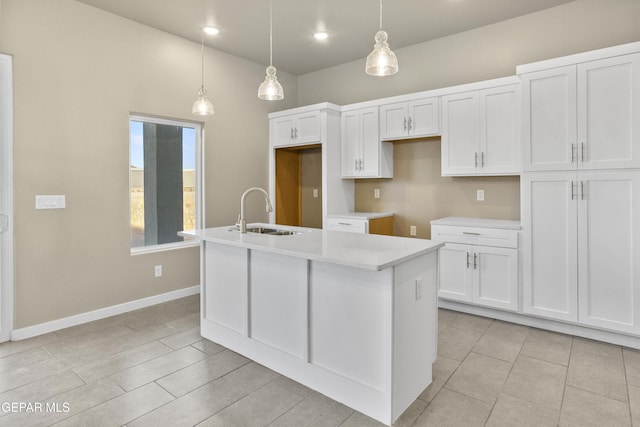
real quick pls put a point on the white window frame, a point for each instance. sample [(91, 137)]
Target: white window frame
[(199, 178)]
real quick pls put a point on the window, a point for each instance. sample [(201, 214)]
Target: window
[(164, 181)]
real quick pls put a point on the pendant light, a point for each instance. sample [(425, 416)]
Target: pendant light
[(271, 89), (382, 61), (202, 106)]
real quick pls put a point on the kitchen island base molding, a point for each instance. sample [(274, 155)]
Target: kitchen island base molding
[(365, 338)]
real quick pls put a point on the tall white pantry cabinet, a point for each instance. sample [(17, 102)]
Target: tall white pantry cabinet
[(581, 188)]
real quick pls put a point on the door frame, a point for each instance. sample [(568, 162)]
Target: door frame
[(6, 197)]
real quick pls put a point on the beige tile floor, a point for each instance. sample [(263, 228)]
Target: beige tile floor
[(151, 368)]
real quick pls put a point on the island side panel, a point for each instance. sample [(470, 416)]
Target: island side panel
[(415, 327), (225, 284), (278, 302), (350, 321)]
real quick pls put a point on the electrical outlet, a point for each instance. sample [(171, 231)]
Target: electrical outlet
[(412, 230), (376, 193), (158, 270), (480, 195), (315, 193)]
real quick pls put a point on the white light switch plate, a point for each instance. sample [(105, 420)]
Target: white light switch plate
[(480, 195), (51, 202)]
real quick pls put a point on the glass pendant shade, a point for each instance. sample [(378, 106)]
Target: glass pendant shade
[(202, 106), (271, 89), (382, 61)]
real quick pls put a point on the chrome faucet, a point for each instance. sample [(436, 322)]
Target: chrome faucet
[(242, 221)]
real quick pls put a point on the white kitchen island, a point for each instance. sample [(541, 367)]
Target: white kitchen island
[(353, 316)]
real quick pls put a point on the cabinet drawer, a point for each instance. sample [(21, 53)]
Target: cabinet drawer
[(344, 224), (475, 236)]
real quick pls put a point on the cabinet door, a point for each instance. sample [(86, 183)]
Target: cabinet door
[(460, 142), (549, 222), (549, 119), (609, 113), (370, 166), (393, 121), (495, 281), (608, 260), (307, 128), (499, 135), (424, 116), (282, 131), (455, 272), (351, 144)]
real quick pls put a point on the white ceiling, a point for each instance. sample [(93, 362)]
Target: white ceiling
[(244, 24)]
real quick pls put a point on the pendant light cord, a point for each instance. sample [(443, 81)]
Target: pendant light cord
[(202, 56), (380, 14), (270, 32)]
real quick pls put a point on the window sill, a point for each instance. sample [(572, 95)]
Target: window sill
[(164, 247)]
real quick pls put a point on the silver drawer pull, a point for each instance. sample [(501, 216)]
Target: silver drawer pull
[(470, 233), (344, 223)]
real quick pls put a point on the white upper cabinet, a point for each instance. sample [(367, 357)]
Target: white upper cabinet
[(411, 119), (299, 129), (584, 116), (363, 155), (480, 132)]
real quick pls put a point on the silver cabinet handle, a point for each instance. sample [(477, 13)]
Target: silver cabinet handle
[(361, 164), (410, 126), (296, 132), (469, 233), (475, 261), (405, 124), (482, 158), (573, 153), (468, 262), (582, 190), (573, 192), (344, 223), (476, 159), (355, 164), (582, 154), (291, 133)]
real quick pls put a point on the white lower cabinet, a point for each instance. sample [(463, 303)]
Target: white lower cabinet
[(582, 232), (478, 265)]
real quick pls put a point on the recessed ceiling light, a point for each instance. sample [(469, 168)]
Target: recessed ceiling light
[(212, 31), (321, 35)]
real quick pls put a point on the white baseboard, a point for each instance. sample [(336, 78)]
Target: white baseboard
[(541, 323), (78, 319)]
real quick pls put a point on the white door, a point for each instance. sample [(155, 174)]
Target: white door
[(425, 117), (370, 142), (6, 198), (460, 136), (351, 143), (495, 277), (499, 140), (608, 250), (455, 272), (549, 223), (393, 120), (549, 137), (306, 129), (608, 113), (282, 131)]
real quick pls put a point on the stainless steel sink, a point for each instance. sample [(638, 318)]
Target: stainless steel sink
[(271, 231)]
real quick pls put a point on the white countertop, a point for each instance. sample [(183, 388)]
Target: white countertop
[(367, 251), (361, 215), (478, 222)]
